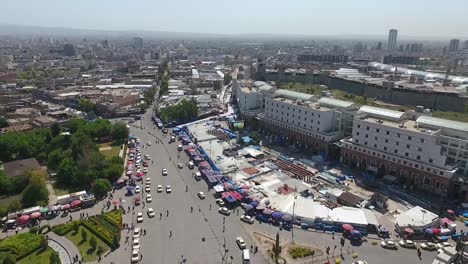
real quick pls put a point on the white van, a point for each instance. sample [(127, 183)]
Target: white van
[(191, 164), (179, 147), (245, 256), (172, 139)]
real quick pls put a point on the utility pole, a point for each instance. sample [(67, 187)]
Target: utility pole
[(293, 220)]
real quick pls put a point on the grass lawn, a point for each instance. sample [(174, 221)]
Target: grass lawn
[(37, 257), (6, 200), (84, 246), (109, 153)]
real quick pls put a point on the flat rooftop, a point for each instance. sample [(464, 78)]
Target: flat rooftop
[(409, 125), (315, 105)]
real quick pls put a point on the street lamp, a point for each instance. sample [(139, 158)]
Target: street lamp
[(294, 206)]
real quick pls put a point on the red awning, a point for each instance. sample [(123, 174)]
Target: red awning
[(35, 215), (236, 195), (75, 203), (409, 230), (347, 227), (23, 218)]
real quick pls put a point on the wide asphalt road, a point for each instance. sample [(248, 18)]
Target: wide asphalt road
[(187, 227)]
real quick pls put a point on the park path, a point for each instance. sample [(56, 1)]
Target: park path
[(70, 248)]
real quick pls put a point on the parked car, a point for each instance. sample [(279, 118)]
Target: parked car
[(139, 217), (145, 170), (248, 219), (137, 189), (241, 243), (147, 189), (191, 165), (360, 262), (428, 246), (136, 244), (220, 202), (224, 211), (442, 245), (151, 213), (407, 243), (149, 199), (179, 147), (135, 256), (390, 244), (148, 181), (201, 195), (168, 189), (136, 232), (159, 188)]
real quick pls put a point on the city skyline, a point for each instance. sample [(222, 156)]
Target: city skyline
[(297, 18)]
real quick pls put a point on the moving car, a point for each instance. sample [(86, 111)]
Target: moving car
[(148, 143), (173, 139), (360, 262), (442, 245), (224, 211), (179, 147), (135, 256), (164, 172), (248, 219), (428, 246), (165, 131), (145, 170), (136, 244), (201, 195), (150, 213), (147, 157), (139, 217), (148, 189), (390, 244), (407, 243), (137, 189), (168, 189), (149, 199), (241, 243), (136, 232), (180, 166), (220, 202), (148, 181), (159, 189)]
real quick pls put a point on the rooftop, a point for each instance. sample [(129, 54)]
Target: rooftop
[(19, 167), (294, 95), (382, 112), (330, 102), (433, 122), (309, 104)]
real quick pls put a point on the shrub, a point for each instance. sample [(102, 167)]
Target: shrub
[(63, 229), (300, 252), (100, 250), (84, 235), (76, 227), (44, 244), (47, 229), (93, 242), (34, 230), (21, 244)]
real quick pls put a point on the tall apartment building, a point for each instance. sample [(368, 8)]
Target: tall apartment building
[(454, 43), (303, 120), (392, 39), (429, 153)]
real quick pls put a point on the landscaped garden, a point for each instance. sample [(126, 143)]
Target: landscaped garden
[(23, 248), (95, 235)]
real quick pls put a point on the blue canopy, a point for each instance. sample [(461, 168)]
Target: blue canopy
[(248, 207), (246, 139), (254, 204), (277, 215)]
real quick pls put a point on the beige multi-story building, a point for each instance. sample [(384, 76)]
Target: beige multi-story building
[(427, 153)]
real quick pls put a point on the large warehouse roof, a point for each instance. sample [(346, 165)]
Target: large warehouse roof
[(294, 95), (382, 112), (433, 122)]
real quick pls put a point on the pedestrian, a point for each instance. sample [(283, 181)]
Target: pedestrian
[(86, 215), (210, 206), (251, 248)]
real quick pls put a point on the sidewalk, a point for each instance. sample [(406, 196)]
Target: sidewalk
[(66, 244)]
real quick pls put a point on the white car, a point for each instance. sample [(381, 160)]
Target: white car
[(241, 243), (179, 147), (136, 244), (360, 262), (220, 202), (180, 166), (159, 189), (149, 199), (148, 181), (168, 189), (137, 189), (147, 157), (135, 256), (145, 170), (136, 232), (390, 244), (147, 189), (442, 245), (428, 246), (151, 213), (407, 243), (139, 217), (148, 143), (248, 219), (224, 211), (201, 195), (164, 172), (129, 173)]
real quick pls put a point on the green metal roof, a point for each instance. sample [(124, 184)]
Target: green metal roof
[(294, 95)]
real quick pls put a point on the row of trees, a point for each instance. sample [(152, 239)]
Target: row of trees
[(186, 110)]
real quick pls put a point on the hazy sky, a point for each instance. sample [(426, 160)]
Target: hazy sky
[(439, 18)]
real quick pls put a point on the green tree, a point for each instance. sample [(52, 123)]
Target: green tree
[(55, 129), (8, 259), (36, 192), (184, 111), (66, 171), (54, 258), (14, 206), (119, 132), (76, 227), (3, 122), (75, 124), (44, 244), (87, 105), (93, 242), (84, 235), (101, 187), (227, 79)]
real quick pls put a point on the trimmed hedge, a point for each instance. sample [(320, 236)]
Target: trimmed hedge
[(62, 229), (21, 245), (300, 252), (98, 233), (45, 227)]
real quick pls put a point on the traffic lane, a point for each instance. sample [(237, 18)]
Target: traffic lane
[(177, 203)]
